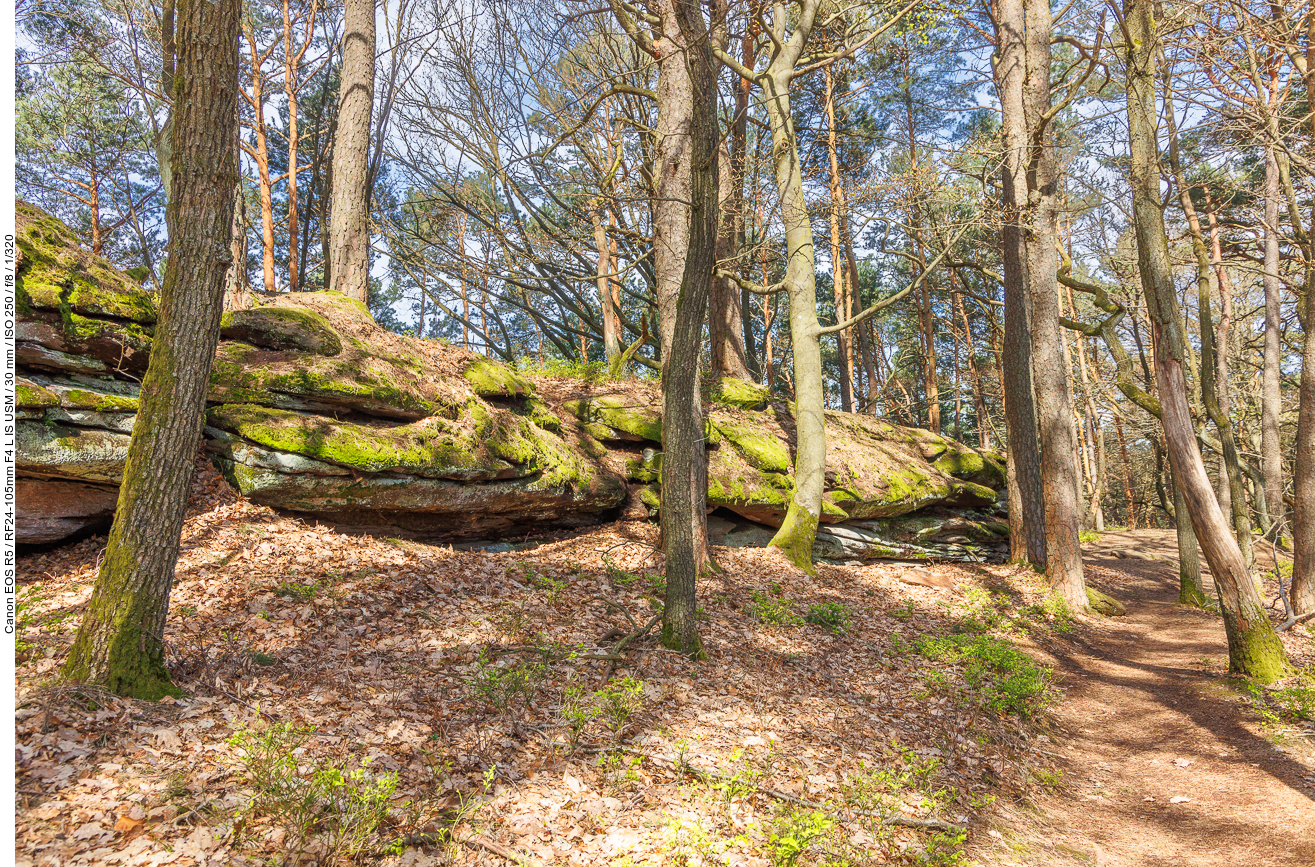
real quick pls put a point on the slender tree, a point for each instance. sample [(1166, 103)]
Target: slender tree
[(1253, 646), (120, 641), (348, 257)]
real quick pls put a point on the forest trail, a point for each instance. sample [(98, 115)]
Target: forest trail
[(1147, 720)]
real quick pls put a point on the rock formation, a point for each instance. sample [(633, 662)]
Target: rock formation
[(315, 409)]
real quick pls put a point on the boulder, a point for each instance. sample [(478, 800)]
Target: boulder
[(315, 409)]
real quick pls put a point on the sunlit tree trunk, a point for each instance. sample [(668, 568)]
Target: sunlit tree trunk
[(120, 644), (1053, 407), (1254, 649), (1026, 506), (1303, 518), (1271, 454), (348, 255)]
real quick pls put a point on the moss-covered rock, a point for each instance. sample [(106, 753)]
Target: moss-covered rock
[(314, 383), (55, 273), (29, 395), (271, 327), (741, 393), (67, 452), (759, 446), (634, 422), (431, 448), (490, 379)]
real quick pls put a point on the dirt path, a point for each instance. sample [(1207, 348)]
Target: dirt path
[(1148, 720)]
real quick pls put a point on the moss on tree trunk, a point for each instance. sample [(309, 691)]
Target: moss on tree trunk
[(119, 643)]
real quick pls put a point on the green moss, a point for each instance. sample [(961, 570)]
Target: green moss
[(960, 463), (542, 416), (637, 472), (490, 379), (760, 448), (796, 537), (83, 330), (432, 450), (649, 497), (834, 511), (638, 421), (29, 395), (55, 273), (743, 394), (236, 377), (282, 328), (96, 401), (1103, 603)]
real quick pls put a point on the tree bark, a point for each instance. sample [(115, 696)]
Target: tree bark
[(1303, 475), (119, 644), (1053, 407), (725, 323), (348, 254), (1207, 278), (1190, 590), (1254, 648), (841, 289), (687, 171), (1026, 505), (1271, 454), (799, 529)]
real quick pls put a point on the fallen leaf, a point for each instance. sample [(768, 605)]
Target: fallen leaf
[(126, 823)]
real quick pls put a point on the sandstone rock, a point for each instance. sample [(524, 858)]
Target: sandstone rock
[(277, 328), (50, 510), (317, 410)]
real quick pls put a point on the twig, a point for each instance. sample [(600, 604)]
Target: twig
[(888, 818), (498, 849)]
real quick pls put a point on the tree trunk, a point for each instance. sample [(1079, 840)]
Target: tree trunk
[(1053, 407), (1027, 540), (1129, 506), (348, 255), (1254, 649), (119, 644), (841, 289), (687, 173), (725, 327), (260, 153), (1271, 454), (1303, 475), (1190, 590), (290, 61), (799, 529), (1207, 278), (606, 299)]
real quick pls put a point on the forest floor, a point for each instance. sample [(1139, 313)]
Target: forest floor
[(1165, 759), (473, 707)]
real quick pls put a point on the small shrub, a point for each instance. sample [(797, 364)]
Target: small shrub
[(776, 612), (577, 713), (617, 702), (793, 832), (509, 689), (1003, 679), (333, 812), (290, 590), (829, 615), (1087, 537)]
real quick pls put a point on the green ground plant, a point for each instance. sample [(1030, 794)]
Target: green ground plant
[(772, 611), (322, 808), (509, 689), (999, 677), (793, 832), (832, 616)]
